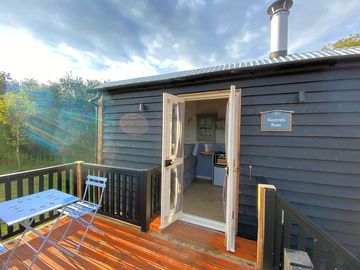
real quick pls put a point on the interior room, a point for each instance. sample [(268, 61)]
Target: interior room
[(205, 159)]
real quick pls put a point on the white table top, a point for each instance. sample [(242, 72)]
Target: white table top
[(20, 209)]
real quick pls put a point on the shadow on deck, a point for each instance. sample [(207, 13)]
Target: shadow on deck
[(126, 247)]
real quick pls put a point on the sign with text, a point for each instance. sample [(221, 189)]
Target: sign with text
[(276, 120)]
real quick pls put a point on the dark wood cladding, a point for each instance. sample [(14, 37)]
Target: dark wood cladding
[(316, 166)]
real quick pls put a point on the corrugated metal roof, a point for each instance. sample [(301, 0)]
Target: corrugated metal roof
[(183, 75)]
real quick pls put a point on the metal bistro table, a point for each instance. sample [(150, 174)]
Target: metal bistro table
[(27, 208)]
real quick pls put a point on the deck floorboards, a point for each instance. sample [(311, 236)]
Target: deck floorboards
[(126, 247)]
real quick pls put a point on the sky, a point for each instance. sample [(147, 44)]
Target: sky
[(115, 40)]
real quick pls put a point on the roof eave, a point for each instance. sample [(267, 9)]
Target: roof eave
[(250, 71)]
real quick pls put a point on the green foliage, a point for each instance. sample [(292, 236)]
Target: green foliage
[(352, 41), (54, 119), (31, 85), (15, 109), (4, 77), (75, 115), (72, 92)]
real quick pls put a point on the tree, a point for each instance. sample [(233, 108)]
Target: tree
[(72, 92), (15, 109), (351, 41), (4, 78)]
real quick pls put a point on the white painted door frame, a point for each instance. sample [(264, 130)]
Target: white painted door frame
[(233, 168), (233, 157), (172, 159)]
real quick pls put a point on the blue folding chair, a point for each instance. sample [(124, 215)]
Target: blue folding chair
[(77, 210)]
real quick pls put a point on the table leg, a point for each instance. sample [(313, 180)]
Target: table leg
[(67, 228), (17, 244), (47, 240), (51, 242)]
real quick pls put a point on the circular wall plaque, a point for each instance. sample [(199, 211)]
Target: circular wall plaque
[(134, 123)]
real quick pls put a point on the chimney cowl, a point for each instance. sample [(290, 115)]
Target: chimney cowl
[(279, 12), (279, 5)]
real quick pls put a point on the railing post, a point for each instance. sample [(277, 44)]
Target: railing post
[(79, 178), (144, 201), (266, 226), (99, 131)]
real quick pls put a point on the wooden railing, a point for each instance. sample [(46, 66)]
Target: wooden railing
[(281, 226), (14, 185), (131, 195)]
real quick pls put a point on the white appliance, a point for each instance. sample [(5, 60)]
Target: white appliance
[(219, 174)]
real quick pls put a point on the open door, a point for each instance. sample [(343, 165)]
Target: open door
[(233, 167), (172, 159)]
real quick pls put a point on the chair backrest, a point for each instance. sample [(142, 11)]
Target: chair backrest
[(95, 181)]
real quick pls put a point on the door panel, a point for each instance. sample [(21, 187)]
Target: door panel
[(172, 159), (233, 164)]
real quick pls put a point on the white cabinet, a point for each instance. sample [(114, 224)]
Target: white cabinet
[(219, 174)]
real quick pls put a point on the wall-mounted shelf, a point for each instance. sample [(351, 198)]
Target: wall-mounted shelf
[(206, 127)]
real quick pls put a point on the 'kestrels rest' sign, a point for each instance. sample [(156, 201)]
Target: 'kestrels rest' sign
[(276, 120)]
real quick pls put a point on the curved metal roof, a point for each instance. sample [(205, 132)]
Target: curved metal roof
[(188, 74)]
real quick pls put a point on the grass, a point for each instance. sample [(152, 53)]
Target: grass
[(28, 166), (8, 162)]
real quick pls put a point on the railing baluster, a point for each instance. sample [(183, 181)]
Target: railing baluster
[(287, 231), (10, 229), (316, 259), (302, 238), (51, 180), (107, 201), (67, 181), (59, 180), (74, 183), (130, 198), (125, 198), (113, 192), (41, 182), (20, 190), (135, 200), (41, 188), (31, 185), (331, 263), (120, 194)]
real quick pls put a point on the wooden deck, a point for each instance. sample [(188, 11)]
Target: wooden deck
[(181, 246), (206, 240)]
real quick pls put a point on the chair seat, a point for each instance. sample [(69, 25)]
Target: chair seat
[(3, 249), (78, 209), (87, 204)]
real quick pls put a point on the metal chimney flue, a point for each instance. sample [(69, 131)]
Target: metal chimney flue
[(279, 13)]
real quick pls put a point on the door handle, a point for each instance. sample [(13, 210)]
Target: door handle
[(168, 162)]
